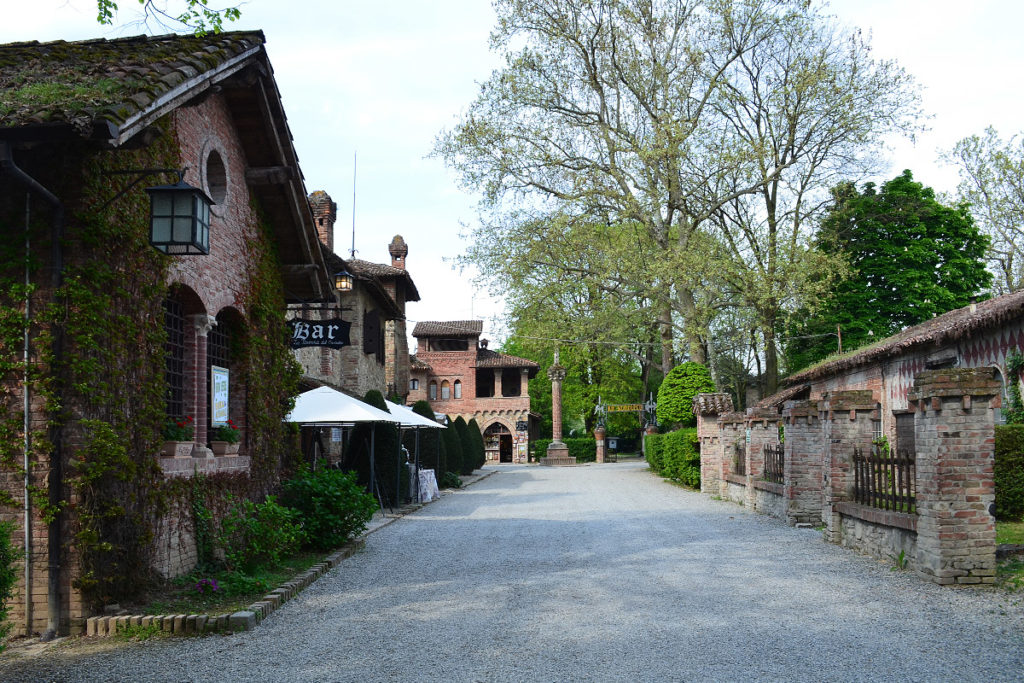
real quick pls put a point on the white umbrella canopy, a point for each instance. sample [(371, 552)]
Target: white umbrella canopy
[(410, 418), (326, 406)]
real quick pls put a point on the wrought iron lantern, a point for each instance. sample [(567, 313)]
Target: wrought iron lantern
[(179, 222), (343, 281)]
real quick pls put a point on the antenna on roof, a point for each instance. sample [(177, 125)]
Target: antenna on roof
[(352, 252)]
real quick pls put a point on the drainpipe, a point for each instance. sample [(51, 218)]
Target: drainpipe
[(8, 167)]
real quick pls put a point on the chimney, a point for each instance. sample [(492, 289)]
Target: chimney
[(398, 249), (325, 212), (483, 343)]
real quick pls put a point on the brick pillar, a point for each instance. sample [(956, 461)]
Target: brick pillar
[(707, 408), (524, 382), (497, 382), (763, 427), (732, 439), (846, 419), (955, 441), (325, 212), (599, 433), (803, 462), (201, 326)]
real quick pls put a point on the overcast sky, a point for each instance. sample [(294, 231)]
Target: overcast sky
[(381, 79)]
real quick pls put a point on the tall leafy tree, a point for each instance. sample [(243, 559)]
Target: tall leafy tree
[(912, 258), (992, 182), (196, 16)]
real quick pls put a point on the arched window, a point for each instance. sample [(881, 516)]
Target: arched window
[(445, 390), (174, 353), (432, 388), (458, 389)]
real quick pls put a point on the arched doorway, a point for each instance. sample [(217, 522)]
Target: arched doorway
[(498, 440)]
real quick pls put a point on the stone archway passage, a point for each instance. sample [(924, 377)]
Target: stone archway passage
[(499, 442)]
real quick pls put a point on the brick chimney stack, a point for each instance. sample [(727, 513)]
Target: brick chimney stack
[(399, 250), (325, 213)]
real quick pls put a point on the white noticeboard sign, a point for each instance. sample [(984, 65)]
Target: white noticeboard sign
[(219, 395)]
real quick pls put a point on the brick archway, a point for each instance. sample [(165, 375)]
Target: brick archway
[(499, 441)]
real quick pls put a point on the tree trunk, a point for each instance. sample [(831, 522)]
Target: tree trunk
[(665, 330)]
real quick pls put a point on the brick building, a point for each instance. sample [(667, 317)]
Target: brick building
[(377, 355), (455, 371), (73, 165), (934, 392)]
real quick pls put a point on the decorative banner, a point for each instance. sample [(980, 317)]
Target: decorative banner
[(332, 333), (219, 383), (626, 408)]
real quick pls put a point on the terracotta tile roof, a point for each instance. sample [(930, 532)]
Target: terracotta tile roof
[(712, 404), (451, 328), (381, 270), (942, 329), (485, 358), (416, 364), (98, 87)]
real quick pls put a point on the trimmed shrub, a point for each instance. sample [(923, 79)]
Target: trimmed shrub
[(477, 437), (255, 534), (9, 556), (452, 449), (676, 456), (676, 394), (1008, 472), (583, 449), (333, 507), (468, 456), (388, 464)]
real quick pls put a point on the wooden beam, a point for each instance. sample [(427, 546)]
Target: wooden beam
[(270, 175)]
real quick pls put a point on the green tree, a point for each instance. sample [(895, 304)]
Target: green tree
[(391, 476), (452, 449), (196, 16), (477, 437), (675, 397), (468, 455), (992, 182), (431, 455), (912, 258)]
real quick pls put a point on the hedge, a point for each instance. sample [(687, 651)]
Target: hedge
[(675, 456), (1008, 472), (583, 449)]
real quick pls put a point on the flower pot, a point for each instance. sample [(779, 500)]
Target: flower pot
[(223, 448), (178, 449)]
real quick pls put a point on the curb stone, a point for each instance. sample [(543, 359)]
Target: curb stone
[(249, 618)]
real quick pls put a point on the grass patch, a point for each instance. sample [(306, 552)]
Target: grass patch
[(1010, 574), (1010, 532), (218, 592)]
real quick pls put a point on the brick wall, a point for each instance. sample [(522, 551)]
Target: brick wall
[(803, 462)]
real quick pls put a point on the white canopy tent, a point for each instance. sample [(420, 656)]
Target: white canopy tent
[(410, 419), (326, 407)]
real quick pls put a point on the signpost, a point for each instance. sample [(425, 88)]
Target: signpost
[(332, 333)]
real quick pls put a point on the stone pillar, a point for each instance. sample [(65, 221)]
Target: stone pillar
[(599, 434), (707, 408), (733, 440), (846, 419), (524, 382), (803, 462), (201, 325), (762, 425), (558, 452), (497, 382), (955, 441)]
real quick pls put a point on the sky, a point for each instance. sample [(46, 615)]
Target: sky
[(372, 84)]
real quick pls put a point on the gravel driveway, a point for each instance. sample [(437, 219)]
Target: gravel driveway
[(598, 572)]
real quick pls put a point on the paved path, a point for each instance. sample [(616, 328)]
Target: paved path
[(604, 573)]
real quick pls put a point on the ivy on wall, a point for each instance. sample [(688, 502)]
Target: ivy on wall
[(97, 370)]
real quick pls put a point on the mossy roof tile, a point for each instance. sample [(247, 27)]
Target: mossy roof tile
[(102, 80)]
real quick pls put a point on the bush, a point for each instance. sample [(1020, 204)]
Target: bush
[(676, 456), (388, 465), (477, 438), (468, 447), (9, 556), (452, 449), (332, 505), (253, 534), (583, 449), (675, 397), (1008, 472)]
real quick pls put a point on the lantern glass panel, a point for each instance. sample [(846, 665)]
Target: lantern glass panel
[(162, 204), (182, 229), (161, 228)]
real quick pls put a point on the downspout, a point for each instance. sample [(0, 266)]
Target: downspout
[(8, 166)]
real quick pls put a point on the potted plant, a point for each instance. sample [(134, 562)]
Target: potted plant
[(224, 439), (178, 437)]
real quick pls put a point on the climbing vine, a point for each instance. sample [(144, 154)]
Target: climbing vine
[(1014, 411)]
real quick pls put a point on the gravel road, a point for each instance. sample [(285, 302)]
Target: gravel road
[(592, 573)]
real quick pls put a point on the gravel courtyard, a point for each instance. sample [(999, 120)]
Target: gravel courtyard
[(592, 573)]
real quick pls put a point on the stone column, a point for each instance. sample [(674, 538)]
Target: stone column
[(599, 434), (707, 408), (524, 382), (803, 462), (846, 418), (497, 382), (558, 452), (955, 440), (201, 325), (762, 426)]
